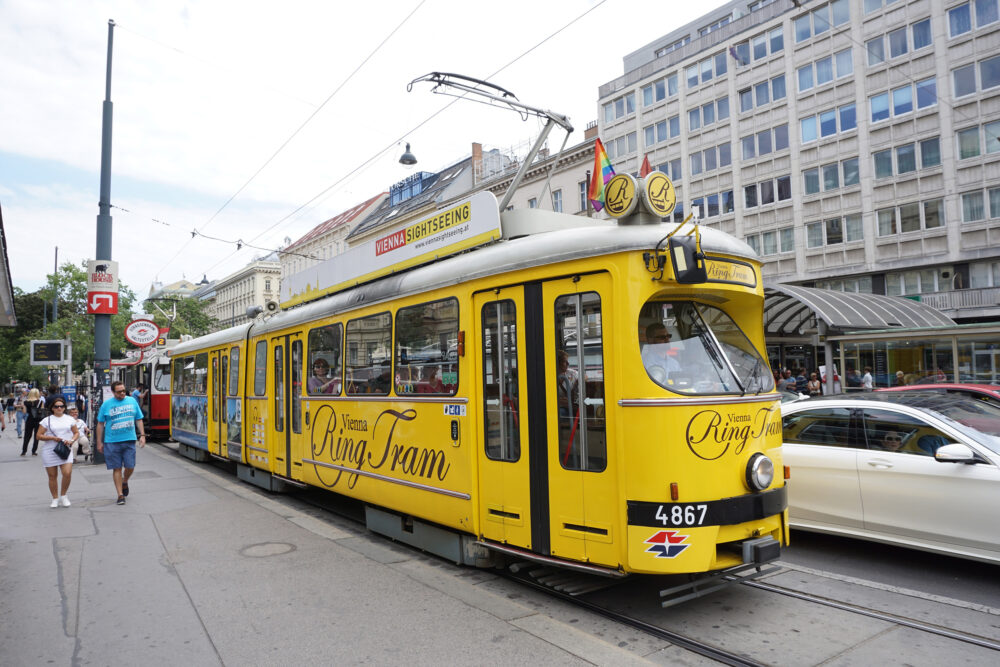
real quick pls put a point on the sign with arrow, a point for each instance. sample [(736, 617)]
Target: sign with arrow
[(102, 287)]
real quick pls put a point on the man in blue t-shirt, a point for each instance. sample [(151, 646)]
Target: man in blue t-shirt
[(116, 425)]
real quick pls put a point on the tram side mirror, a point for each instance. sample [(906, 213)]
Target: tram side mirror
[(687, 260)]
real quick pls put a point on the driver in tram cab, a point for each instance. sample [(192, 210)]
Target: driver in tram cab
[(659, 364), (320, 381)]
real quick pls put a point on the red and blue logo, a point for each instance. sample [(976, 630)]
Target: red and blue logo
[(667, 544)]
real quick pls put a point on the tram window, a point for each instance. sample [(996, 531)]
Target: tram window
[(279, 388), (324, 360), (296, 386), (427, 348), (201, 374), (260, 368), (188, 373), (234, 371), (579, 382), (178, 376), (693, 348), (215, 389), (369, 341), (500, 384)]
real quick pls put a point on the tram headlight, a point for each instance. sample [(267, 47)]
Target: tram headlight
[(760, 472)]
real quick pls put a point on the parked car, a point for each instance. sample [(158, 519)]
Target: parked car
[(984, 392), (916, 469)]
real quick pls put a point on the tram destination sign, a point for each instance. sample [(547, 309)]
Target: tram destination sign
[(460, 226)]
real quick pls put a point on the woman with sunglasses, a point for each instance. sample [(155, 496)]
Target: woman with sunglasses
[(57, 427)]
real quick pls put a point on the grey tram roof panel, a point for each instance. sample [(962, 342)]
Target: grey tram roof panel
[(789, 307)]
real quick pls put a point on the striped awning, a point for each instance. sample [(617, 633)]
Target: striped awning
[(791, 310)]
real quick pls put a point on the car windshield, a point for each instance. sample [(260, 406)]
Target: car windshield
[(693, 348)]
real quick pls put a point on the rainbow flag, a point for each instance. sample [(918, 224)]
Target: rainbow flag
[(603, 171)]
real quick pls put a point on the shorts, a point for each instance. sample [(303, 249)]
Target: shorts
[(119, 454)]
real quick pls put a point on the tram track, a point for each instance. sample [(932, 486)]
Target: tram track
[(930, 628)]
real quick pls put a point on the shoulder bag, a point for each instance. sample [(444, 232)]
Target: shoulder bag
[(60, 448)]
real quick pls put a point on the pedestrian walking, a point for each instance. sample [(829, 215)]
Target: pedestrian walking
[(8, 406), (867, 383), (117, 421), (35, 413), (19, 413), (58, 427)]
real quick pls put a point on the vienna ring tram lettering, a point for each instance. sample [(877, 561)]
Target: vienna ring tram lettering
[(463, 394), (347, 442)]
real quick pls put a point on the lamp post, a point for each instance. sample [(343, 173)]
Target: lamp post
[(102, 323)]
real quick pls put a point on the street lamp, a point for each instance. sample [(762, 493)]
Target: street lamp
[(408, 158)]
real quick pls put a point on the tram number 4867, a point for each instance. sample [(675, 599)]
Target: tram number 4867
[(682, 515)]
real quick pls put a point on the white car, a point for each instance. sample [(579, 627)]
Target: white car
[(915, 469)]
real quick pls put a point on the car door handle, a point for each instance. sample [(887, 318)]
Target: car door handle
[(881, 464)]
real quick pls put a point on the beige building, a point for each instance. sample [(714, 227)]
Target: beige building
[(253, 285)]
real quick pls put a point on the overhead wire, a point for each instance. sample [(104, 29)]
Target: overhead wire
[(301, 126)]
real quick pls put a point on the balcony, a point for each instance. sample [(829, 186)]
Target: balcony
[(962, 303)]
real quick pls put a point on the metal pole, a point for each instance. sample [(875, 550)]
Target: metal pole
[(102, 323), (55, 282)]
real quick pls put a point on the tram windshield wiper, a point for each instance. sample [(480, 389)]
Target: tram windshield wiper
[(754, 376)]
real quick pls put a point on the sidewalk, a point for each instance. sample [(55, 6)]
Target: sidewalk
[(201, 569)]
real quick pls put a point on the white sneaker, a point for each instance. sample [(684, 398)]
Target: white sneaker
[(54, 503), (64, 501)]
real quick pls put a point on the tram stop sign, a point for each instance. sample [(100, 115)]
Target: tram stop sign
[(102, 287)]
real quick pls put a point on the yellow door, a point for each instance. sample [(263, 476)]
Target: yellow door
[(583, 505), (216, 403), (504, 491)]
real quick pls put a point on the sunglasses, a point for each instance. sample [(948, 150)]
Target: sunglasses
[(59, 406), (119, 391)]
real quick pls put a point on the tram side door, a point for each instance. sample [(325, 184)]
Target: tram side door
[(218, 365), (287, 360), (581, 464), (504, 479)]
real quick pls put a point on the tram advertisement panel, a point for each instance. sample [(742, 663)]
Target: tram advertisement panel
[(234, 420), (189, 415)]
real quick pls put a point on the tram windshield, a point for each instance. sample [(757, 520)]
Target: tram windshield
[(693, 348)]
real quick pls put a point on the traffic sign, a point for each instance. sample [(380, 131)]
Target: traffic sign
[(102, 303)]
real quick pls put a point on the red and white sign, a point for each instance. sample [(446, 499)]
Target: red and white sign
[(102, 303), (102, 287), (142, 332)]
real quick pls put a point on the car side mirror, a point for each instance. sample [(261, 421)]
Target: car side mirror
[(955, 453)]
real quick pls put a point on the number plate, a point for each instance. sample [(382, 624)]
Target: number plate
[(724, 512)]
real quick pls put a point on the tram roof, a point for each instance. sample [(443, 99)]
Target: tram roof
[(566, 237)]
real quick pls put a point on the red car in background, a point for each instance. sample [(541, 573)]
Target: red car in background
[(984, 392)]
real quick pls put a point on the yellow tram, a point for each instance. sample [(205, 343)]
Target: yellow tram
[(524, 385)]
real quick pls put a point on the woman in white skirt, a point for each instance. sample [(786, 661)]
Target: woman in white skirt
[(59, 426)]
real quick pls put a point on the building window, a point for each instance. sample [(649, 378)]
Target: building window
[(532, 203), (972, 207), (965, 80), (557, 204), (582, 187)]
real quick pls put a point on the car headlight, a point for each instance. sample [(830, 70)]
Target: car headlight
[(760, 472)]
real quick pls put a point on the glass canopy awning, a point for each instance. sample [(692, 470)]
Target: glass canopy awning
[(791, 310)]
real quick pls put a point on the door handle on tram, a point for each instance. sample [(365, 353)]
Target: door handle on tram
[(881, 464)]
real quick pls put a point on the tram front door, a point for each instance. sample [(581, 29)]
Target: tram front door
[(546, 479)]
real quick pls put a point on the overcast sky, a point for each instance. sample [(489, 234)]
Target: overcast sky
[(205, 92)]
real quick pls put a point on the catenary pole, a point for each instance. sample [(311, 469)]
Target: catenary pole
[(102, 323)]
